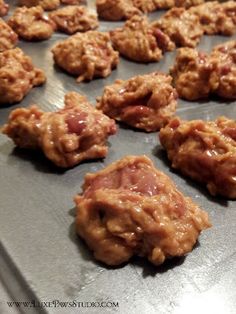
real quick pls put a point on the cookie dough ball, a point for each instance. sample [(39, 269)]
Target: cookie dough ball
[(217, 18), (75, 133), (138, 41), (17, 76), (182, 26), (146, 102), (8, 38), (72, 19), (3, 8), (229, 8), (152, 5), (204, 151), (131, 208), (86, 55), (47, 5), (223, 58), (116, 10), (193, 74), (31, 24)]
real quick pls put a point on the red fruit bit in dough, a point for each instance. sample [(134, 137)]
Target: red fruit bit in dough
[(136, 111), (76, 122), (141, 181), (225, 69)]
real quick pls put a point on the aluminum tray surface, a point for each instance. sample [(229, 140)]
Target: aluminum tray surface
[(41, 258)]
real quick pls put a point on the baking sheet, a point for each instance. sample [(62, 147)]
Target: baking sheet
[(44, 260)]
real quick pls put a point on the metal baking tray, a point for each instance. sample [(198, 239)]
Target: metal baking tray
[(42, 259)]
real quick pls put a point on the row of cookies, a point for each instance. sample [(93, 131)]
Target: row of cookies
[(137, 39), (127, 193), (116, 10), (141, 41), (180, 27), (195, 74), (131, 208), (32, 24), (79, 131), (47, 5)]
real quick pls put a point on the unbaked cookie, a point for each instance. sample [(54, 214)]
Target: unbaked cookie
[(17, 76), (86, 55), (75, 133), (131, 208)]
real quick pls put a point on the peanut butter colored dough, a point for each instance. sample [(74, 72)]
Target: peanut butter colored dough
[(204, 151), (3, 8), (196, 75), (8, 38), (187, 3), (17, 76), (116, 10), (72, 2), (146, 102), (75, 133), (139, 41), (182, 26), (31, 24), (47, 5), (147, 6), (217, 18), (193, 74), (223, 58), (86, 55), (74, 18), (131, 208)]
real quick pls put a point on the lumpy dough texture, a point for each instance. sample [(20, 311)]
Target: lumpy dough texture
[(153, 5), (17, 76), (3, 8), (75, 133), (217, 18), (116, 10), (196, 75), (193, 74), (86, 55), (138, 41), (72, 19), (223, 57), (187, 3), (47, 5), (131, 208), (31, 23), (8, 38), (204, 151), (146, 101), (72, 2), (182, 26)]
